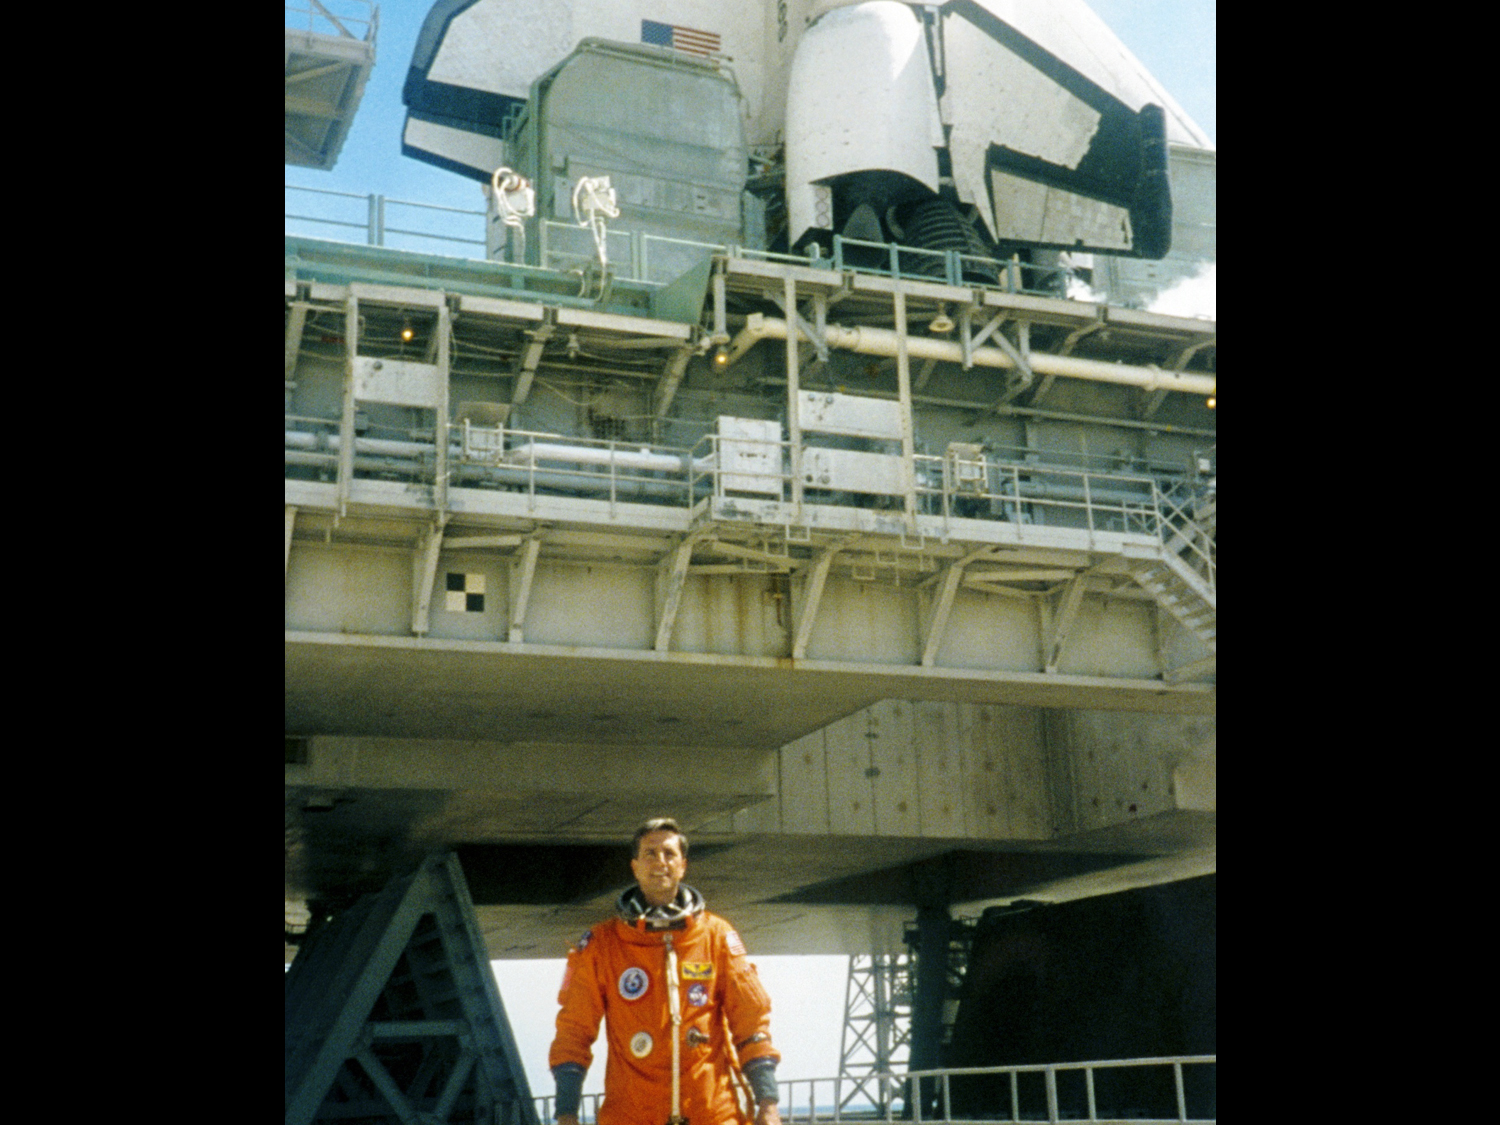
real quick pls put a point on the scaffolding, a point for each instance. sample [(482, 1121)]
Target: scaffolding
[(877, 1030)]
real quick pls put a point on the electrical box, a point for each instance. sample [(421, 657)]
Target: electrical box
[(484, 444), (847, 470), (750, 455), (825, 412), (397, 381), (966, 467)]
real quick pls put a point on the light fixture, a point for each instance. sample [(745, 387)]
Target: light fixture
[(941, 325), (721, 357), (1213, 401), (406, 331)]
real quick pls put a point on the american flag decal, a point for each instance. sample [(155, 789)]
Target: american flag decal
[(679, 38)]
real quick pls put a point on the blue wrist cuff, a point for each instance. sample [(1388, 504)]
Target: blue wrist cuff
[(761, 1074), (569, 1079)]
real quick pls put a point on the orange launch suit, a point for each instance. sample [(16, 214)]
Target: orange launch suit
[(619, 972)]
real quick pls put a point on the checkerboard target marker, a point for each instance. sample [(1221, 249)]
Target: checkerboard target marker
[(465, 593)]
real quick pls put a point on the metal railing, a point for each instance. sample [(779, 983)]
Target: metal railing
[(948, 267), (348, 19), (1180, 531), (371, 218), (1151, 1091), (729, 468), (655, 259), (1029, 492)]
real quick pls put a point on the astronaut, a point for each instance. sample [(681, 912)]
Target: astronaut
[(687, 1020)]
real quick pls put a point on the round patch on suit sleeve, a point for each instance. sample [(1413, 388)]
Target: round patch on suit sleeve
[(697, 996), (641, 1044), (633, 984)]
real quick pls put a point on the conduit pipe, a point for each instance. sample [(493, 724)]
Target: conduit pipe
[(883, 342), (642, 460)]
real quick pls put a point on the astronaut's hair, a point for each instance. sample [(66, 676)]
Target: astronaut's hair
[(657, 824)]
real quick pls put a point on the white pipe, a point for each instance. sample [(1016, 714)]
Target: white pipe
[(298, 439), (883, 342), (590, 455)]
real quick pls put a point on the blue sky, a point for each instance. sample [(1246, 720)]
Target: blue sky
[(1175, 39)]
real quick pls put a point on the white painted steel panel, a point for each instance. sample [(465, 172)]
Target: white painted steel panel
[(1036, 212), (1006, 794), (998, 97), (825, 412), (750, 455), (868, 622), (804, 785), (731, 615), (851, 797), (397, 381), (940, 769), (594, 605), (892, 753), (881, 113), (848, 470)]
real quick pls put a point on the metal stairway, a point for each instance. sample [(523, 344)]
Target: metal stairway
[(393, 1014), (1183, 576), (1181, 592)]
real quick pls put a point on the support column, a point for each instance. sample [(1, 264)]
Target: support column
[(1067, 614), (291, 519), (440, 420), (424, 574), (942, 606), (671, 575), (346, 421), (903, 390), (522, 572), (933, 924), (793, 389), (812, 594)]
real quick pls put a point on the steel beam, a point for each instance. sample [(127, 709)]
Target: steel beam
[(1021, 357), (937, 623), (783, 563), (812, 594), (793, 390), (527, 363), (346, 420), (817, 336), (903, 393), (291, 519), (424, 566), (522, 572), (296, 320), (671, 379), (670, 578), (440, 422), (1067, 614)]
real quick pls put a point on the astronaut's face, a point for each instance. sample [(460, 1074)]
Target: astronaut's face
[(659, 866)]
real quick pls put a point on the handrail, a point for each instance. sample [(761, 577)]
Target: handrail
[(1060, 1106), (320, 14), (636, 266), (728, 467), (374, 224), (1181, 533)]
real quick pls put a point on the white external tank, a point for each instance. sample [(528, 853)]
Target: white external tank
[(860, 98)]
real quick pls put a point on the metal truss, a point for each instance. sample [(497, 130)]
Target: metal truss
[(393, 1014), (877, 1030)]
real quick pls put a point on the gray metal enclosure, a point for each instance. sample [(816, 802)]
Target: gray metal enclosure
[(667, 130)]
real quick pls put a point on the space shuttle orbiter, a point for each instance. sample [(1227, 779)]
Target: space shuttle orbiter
[(972, 124)]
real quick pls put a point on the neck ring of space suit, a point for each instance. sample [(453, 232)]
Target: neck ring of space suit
[(637, 913)]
